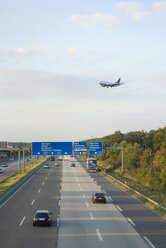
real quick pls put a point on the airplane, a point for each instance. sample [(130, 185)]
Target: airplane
[(109, 84)]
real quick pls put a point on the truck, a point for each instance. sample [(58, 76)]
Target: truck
[(91, 164)]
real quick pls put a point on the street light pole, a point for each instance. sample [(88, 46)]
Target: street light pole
[(122, 155)]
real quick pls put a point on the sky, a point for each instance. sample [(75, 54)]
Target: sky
[(53, 54)]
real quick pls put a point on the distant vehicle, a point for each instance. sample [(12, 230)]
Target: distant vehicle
[(98, 197), (110, 84), (91, 164), (11, 159), (46, 166), (4, 165), (66, 158), (60, 158), (52, 158), (42, 217), (1, 171), (72, 165)]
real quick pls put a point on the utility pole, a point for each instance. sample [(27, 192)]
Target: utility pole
[(122, 155)]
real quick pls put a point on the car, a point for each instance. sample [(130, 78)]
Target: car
[(42, 217), (99, 197), (46, 166), (60, 158), (1, 171), (72, 165), (11, 159), (4, 165)]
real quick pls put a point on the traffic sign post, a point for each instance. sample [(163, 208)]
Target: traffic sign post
[(95, 148), (80, 148), (52, 148)]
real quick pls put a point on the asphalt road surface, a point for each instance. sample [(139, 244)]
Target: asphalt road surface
[(123, 222), (41, 191), (84, 224), (146, 222)]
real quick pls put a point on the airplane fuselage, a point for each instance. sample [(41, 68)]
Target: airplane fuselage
[(109, 84)]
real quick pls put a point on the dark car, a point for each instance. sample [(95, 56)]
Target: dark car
[(42, 217), (72, 165), (1, 171), (98, 197)]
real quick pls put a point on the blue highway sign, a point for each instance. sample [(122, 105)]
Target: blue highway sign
[(80, 148), (95, 148), (51, 148)]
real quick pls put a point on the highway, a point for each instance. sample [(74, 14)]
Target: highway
[(84, 224), (41, 191), (77, 222), (12, 167)]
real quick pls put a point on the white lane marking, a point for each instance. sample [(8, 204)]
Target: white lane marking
[(22, 220), (59, 203), (83, 195), (57, 223), (39, 191), (46, 178), (104, 192), (43, 183), (110, 198), (80, 189), (149, 243), (99, 186), (91, 216), (99, 234), (87, 204), (32, 202), (119, 208), (131, 221), (79, 184), (77, 180), (16, 191)]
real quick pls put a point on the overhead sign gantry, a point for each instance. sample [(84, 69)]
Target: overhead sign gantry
[(51, 148), (80, 148)]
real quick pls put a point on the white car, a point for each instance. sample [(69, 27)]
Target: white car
[(46, 166), (4, 165)]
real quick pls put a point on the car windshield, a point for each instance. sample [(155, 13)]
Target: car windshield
[(99, 194), (41, 215)]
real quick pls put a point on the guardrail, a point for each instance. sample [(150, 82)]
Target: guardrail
[(135, 191)]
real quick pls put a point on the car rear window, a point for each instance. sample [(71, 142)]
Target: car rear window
[(99, 194), (41, 215)]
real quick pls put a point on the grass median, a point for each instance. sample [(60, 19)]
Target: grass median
[(13, 179)]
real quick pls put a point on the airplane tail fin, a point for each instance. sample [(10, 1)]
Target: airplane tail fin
[(119, 80)]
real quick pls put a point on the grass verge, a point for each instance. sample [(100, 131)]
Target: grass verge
[(13, 179), (145, 201)]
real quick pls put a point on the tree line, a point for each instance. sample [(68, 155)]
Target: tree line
[(144, 156)]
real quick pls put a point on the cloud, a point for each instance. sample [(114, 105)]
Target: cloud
[(129, 7), (73, 50), (21, 51), (139, 16), (159, 7), (87, 21)]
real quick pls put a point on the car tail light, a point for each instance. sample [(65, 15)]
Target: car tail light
[(104, 198), (95, 197), (48, 219), (34, 219)]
